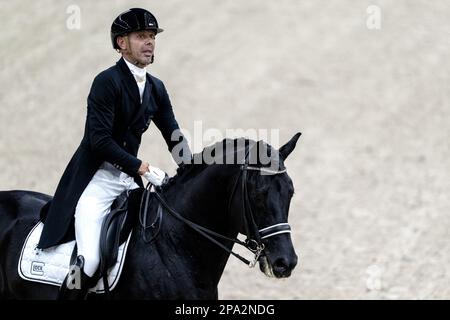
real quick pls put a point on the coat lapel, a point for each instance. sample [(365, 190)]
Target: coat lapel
[(146, 106), (129, 82)]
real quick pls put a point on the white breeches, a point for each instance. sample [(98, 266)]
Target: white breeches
[(93, 207)]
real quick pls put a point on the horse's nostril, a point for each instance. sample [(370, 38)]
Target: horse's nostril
[(284, 266), (280, 264)]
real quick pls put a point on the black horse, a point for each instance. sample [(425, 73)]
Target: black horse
[(209, 205)]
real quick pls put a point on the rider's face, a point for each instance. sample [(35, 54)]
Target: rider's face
[(139, 47)]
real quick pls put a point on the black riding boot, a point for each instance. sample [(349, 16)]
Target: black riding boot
[(76, 284)]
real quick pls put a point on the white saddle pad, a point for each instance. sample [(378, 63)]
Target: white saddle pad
[(51, 265)]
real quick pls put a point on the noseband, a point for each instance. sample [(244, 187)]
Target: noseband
[(254, 235)]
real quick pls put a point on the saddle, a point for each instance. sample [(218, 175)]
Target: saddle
[(119, 223), (115, 230)]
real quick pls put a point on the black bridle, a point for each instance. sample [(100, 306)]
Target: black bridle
[(254, 235)]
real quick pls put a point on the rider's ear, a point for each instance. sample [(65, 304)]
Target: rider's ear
[(121, 42), (286, 150)]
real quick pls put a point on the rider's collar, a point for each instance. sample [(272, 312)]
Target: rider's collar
[(136, 71)]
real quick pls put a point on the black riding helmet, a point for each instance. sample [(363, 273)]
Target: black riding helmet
[(135, 19)]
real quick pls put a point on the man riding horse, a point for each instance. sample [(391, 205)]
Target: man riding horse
[(121, 104)]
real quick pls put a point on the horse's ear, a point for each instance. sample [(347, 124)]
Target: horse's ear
[(286, 150)]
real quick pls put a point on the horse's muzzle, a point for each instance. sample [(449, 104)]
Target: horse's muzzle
[(281, 268)]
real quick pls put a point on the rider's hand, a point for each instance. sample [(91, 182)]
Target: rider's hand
[(143, 168), (155, 176)]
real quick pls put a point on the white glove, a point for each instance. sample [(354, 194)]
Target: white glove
[(155, 176)]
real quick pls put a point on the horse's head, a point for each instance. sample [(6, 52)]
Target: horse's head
[(259, 195), (269, 196)]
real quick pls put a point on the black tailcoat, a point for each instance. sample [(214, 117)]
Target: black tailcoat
[(115, 122)]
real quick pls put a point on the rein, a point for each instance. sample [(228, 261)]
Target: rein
[(254, 245)]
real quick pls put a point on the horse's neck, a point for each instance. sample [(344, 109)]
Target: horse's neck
[(203, 200)]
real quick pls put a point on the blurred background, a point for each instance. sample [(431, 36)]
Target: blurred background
[(366, 82)]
